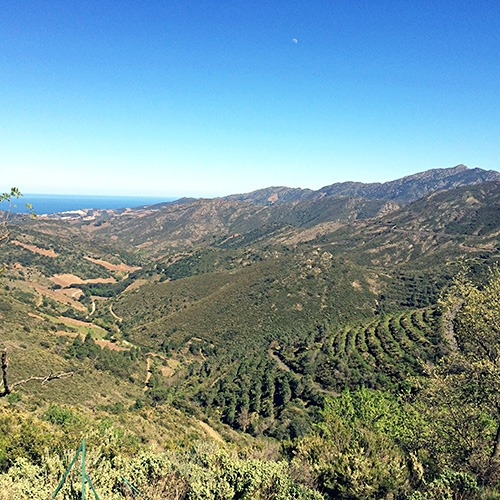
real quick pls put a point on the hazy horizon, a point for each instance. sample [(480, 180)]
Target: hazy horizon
[(169, 197)]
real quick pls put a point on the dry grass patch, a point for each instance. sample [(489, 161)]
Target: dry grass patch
[(77, 322), (58, 295), (66, 280), (66, 334), (35, 249), (113, 267), (136, 284), (110, 345)]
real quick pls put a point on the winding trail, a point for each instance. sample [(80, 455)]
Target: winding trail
[(113, 314), (211, 432)]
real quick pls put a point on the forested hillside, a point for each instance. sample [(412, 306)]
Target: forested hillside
[(327, 347)]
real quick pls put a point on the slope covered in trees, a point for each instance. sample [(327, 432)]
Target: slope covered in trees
[(326, 346)]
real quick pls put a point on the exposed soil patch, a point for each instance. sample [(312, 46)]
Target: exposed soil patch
[(110, 345), (57, 295), (73, 293), (77, 322), (36, 316), (167, 371), (211, 432), (144, 245), (66, 280), (77, 293), (34, 248), (113, 267), (229, 238)]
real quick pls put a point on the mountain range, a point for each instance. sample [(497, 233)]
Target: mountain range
[(238, 316), (404, 190)]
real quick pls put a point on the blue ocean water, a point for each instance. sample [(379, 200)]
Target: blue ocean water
[(54, 203)]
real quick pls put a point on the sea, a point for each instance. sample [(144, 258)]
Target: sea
[(54, 203)]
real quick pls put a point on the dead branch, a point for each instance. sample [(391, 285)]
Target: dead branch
[(5, 364), (7, 389)]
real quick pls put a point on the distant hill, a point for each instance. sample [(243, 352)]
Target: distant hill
[(250, 217), (442, 227), (405, 190), (469, 210), (397, 192), (201, 221)]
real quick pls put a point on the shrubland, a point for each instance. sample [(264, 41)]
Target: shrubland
[(301, 351)]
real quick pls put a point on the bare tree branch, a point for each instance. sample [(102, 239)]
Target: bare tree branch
[(5, 364), (7, 389)]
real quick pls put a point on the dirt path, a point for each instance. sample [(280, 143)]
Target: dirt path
[(211, 432), (113, 314), (93, 308), (36, 316), (156, 355), (278, 360)]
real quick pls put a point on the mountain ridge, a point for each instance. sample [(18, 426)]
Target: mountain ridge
[(204, 221), (404, 189)]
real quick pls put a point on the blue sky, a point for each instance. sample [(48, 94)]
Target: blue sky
[(207, 98)]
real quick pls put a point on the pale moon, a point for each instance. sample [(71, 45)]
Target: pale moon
[(294, 40)]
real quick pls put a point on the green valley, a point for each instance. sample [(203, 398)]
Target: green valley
[(279, 344)]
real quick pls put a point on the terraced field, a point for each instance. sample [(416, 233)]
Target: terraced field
[(280, 391), (381, 352)]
